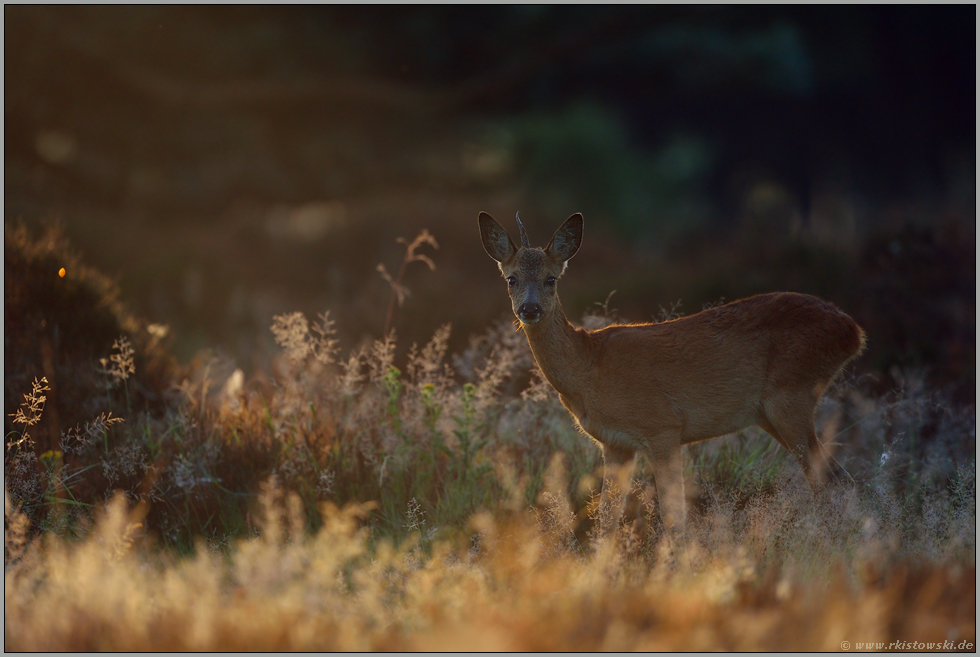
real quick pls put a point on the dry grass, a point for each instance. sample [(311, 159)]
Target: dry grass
[(790, 581), (345, 504)]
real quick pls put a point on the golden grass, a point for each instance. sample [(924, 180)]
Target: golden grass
[(342, 504), (504, 583)]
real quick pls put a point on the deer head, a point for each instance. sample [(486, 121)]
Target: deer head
[(532, 273)]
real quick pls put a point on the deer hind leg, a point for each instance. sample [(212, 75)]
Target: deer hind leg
[(790, 422), (617, 474)]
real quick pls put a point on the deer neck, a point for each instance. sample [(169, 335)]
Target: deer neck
[(563, 352)]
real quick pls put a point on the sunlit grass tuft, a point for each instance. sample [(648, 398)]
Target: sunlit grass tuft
[(792, 579)]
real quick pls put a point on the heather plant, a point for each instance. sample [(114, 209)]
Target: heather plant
[(61, 327)]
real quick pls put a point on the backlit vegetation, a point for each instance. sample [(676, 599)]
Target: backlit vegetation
[(344, 502)]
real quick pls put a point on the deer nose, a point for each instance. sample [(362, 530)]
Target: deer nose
[(529, 312)]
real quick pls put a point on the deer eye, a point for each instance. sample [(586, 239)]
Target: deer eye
[(511, 282), (550, 281)]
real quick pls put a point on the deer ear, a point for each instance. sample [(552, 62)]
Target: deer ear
[(496, 241), (567, 239)]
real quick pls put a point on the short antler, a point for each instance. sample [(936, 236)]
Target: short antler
[(524, 241)]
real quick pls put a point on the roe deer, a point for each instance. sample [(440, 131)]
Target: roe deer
[(764, 361)]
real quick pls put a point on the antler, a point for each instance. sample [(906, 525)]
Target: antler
[(524, 241)]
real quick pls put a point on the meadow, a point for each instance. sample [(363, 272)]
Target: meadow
[(340, 502), (245, 410)]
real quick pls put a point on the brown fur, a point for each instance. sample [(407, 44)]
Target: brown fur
[(763, 361)]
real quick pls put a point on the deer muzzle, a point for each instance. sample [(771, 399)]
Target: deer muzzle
[(529, 313)]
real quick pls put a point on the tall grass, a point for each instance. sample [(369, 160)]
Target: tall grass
[(343, 502), (781, 575)]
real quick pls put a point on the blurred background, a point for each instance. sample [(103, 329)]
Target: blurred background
[(227, 164)]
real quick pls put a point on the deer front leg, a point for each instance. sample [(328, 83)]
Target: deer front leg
[(668, 474), (617, 474)]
